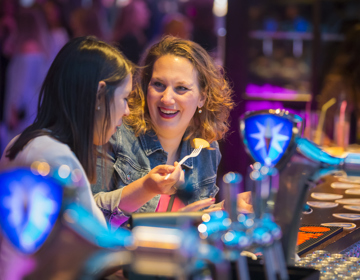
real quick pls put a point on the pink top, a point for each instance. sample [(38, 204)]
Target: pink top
[(164, 202)]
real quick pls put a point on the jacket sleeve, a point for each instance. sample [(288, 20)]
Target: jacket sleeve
[(108, 202), (106, 193)]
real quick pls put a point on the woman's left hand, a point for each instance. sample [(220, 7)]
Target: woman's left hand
[(244, 202), (197, 205)]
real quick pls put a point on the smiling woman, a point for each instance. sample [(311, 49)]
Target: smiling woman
[(173, 96), (180, 94)]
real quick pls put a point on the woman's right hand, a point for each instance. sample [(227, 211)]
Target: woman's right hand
[(156, 183)]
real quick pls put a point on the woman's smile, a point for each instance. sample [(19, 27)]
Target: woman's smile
[(168, 113)]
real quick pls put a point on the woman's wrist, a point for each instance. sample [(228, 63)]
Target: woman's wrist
[(149, 186)]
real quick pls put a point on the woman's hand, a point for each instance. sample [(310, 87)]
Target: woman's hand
[(155, 180), (244, 203), (197, 205)]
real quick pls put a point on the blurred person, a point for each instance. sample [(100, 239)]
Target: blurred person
[(86, 22), (56, 23), (7, 28), (176, 25), (180, 95), (129, 29), (202, 17), (343, 83), (29, 48)]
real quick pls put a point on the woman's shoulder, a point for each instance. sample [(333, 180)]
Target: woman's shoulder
[(123, 138), (48, 149), (215, 145), (210, 156), (41, 148), (45, 143)]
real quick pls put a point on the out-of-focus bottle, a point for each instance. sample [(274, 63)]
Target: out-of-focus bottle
[(342, 122)]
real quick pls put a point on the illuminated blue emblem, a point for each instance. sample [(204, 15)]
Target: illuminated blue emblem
[(268, 135), (29, 207)]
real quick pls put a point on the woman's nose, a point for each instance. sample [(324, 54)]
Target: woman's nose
[(168, 96)]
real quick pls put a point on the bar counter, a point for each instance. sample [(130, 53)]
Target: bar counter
[(342, 241)]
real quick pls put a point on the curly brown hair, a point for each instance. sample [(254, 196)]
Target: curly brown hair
[(212, 123)]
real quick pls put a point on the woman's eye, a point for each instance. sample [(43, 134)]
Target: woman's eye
[(126, 99), (158, 84), (181, 88)]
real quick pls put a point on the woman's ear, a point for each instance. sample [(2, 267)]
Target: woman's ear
[(202, 100), (100, 94), (101, 86)]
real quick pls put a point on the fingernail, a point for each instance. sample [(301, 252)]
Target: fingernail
[(212, 199)]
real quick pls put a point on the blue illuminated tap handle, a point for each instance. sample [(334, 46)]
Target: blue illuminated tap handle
[(315, 153), (273, 174), (263, 179), (352, 161)]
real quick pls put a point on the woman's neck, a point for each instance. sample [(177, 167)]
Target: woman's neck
[(171, 146)]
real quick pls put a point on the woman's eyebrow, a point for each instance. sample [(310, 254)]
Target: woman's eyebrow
[(185, 83), (156, 78)]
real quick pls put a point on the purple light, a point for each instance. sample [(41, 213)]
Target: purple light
[(252, 89)]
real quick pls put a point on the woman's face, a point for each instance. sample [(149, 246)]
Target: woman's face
[(118, 109), (173, 95)]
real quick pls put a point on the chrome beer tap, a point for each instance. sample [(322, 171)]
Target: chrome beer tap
[(266, 233)]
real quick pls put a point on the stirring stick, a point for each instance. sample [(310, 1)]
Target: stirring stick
[(320, 126), (341, 125)]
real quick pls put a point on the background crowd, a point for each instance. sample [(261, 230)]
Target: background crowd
[(32, 35)]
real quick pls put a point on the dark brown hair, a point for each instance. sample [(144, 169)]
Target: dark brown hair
[(66, 108)]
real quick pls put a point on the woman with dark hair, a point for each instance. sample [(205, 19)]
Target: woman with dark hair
[(180, 95), (82, 100)]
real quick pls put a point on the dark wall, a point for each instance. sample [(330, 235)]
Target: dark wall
[(234, 156)]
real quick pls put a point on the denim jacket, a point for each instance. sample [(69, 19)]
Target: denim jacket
[(131, 158)]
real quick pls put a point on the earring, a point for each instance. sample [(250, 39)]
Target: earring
[(200, 111), (98, 108)]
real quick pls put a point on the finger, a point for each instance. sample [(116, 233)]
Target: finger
[(196, 206), (182, 177), (164, 169), (244, 207), (213, 209), (175, 175), (180, 183), (218, 205), (171, 191), (246, 196)]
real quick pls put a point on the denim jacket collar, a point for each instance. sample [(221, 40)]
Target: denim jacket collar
[(151, 144)]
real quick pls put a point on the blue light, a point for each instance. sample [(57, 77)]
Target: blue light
[(86, 225), (313, 152), (29, 207), (267, 137)]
